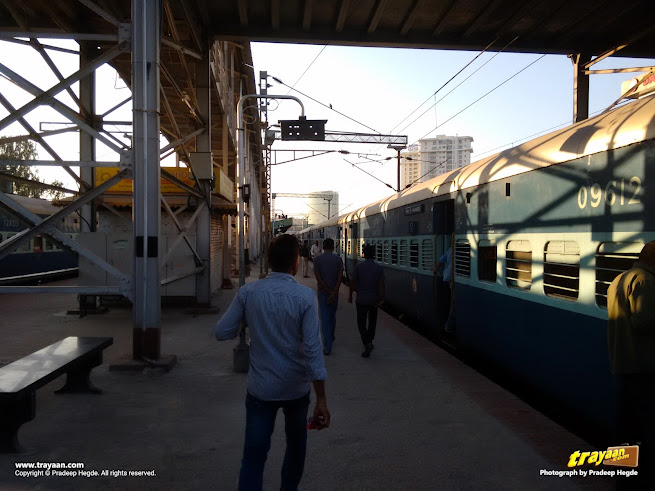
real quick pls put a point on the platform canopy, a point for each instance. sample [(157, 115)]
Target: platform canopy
[(541, 26)]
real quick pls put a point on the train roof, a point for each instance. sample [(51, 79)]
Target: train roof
[(631, 123), (35, 205)]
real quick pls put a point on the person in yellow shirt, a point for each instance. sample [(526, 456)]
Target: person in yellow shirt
[(631, 337)]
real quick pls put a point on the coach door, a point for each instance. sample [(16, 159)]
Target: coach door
[(443, 225)]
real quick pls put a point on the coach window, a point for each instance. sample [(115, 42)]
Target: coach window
[(487, 261), (403, 254), (25, 247), (48, 245), (394, 252), (562, 269), (518, 264), (462, 258), (413, 253), (612, 259), (427, 255), (385, 252)]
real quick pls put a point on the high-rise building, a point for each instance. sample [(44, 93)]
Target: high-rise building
[(433, 156)]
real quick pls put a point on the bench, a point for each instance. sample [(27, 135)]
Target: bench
[(74, 356)]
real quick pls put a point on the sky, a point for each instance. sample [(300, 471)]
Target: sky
[(378, 88), (500, 99)]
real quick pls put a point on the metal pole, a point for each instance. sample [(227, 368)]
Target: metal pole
[(241, 170), (203, 144), (146, 25), (398, 172), (87, 152), (580, 87)]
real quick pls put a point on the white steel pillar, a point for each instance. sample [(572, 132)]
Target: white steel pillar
[(146, 33)]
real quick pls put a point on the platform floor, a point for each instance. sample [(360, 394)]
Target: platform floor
[(410, 417)]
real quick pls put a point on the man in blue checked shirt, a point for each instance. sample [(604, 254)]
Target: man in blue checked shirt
[(285, 359)]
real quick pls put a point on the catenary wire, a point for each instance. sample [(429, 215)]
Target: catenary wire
[(458, 85), (306, 69), (440, 88), (327, 106), (482, 97)]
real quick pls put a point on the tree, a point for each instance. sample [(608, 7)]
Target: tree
[(24, 150), (51, 193)]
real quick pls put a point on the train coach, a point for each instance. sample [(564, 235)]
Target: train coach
[(39, 258), (538, 232)]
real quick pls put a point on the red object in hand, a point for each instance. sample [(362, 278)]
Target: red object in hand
[(310, 424)]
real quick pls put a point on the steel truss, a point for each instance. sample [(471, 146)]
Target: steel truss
[(348, 137), (195, 89)]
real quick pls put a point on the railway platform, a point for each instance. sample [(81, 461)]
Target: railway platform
[(411, 416)]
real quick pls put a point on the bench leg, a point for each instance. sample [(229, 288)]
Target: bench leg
[(78, 378), (15, 412)]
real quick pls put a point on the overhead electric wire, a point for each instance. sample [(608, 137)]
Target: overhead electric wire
[(482, 97), (459, 84), (306, 69), (368, 173), (449, 80), (529, 137), (327, 106)]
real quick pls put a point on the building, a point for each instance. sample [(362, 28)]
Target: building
[(322, 208), (433, 156)]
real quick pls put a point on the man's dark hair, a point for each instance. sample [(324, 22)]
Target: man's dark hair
[(369, 251), (328, 244), (283, 253), (647, 254)]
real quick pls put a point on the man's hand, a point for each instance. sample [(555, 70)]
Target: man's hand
[(321, 416), (350, 298)]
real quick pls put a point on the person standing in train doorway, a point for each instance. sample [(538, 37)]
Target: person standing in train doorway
[(285, 361), (446, 260), (368, 282), (328, 269), (631, 337)]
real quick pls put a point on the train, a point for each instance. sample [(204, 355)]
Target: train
[(537, 233), (42, 258)]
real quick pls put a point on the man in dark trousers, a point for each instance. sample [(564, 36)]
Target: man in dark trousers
[(631, 336), (328, 269), (304, 258), (285, 360), (368, 282)]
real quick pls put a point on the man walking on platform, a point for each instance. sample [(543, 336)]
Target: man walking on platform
[(328, 269), (368, 282), (285, 360)]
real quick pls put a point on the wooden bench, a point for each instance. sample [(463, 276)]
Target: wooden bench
[(74, 356)]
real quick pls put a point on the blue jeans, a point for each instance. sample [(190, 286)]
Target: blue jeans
[(260, 422), (328, 314)]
